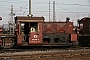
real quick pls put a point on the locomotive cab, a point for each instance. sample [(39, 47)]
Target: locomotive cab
[(29, 30)]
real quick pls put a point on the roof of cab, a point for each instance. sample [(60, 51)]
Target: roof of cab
[(28, 18)]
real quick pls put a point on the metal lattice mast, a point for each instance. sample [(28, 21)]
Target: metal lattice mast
[(49, 10), (53, 11), (11, 23)]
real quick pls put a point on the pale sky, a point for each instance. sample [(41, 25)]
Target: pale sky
[(75, 9)]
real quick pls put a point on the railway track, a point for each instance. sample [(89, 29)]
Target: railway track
[(48, 54), (46, 50), (12, 50), (54, 56)]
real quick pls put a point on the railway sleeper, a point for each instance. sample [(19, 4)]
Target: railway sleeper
[(83, 54), (43, 56), (66, 55), (15, 57)]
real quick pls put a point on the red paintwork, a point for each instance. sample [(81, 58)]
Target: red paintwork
[(58, 27), (74, 37), (61, 27), (1, 29), (49, 27), (36, 37), (19, 40)]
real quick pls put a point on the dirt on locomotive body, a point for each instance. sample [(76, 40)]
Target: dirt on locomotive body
[(34, 31)]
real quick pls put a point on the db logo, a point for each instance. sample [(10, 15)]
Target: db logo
[(35, 36)]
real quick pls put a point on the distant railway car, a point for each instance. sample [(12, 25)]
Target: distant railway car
[(84, 31)]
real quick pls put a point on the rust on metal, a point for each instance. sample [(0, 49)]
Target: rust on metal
[(58, 27)]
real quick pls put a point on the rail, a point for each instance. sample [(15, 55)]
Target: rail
[(82, 55)]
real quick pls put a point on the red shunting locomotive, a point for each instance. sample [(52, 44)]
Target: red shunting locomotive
[(34, 31)]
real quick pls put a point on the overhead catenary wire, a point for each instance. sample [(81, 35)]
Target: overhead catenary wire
[(43, 10), (64, 8)]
